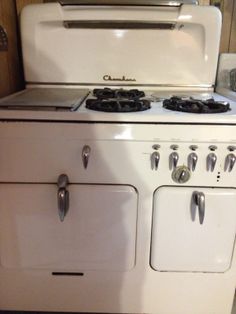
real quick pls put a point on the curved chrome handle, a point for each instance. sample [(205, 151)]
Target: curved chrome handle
[(155, 158), (63, 196), (211, 162), (192, 161), (85, 155), (230, 162), (173, 160), (199, 200)]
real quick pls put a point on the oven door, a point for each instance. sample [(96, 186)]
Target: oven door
[(97, 233), (193, 229)]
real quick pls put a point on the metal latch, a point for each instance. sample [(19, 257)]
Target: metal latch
[(3, 39)]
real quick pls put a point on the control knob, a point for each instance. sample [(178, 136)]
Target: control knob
[(229, 162), (181, 174), (155, 158), (192, 161), (173, 160), (211, 162)]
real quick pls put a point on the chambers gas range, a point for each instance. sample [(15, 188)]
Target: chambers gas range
[(117, 163)]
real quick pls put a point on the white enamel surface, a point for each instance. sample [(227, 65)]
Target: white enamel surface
[(120, 155), (156, 114), (226, 92), (34, 154), (48, 149), (97, 233), (180, 243), (86, 55)]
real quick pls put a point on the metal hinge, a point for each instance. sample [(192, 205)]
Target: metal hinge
[(3, 39)]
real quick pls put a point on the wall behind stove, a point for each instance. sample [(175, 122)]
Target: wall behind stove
[(10, 65), (11, 73), (228, 37)]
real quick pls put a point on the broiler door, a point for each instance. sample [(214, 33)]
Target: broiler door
[(98, 231), (193, 229)]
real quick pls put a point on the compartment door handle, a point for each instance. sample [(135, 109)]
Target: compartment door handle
[(85, 155), (199, 201), (63, 196)]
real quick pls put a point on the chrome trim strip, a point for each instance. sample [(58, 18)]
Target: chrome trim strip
[(91, 24), (174, 3), (119, 84)]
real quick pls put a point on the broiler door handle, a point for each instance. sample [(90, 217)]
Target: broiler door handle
[(199, 200), (63, 196)]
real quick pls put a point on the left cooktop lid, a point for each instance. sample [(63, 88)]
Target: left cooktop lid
[(48, 99)]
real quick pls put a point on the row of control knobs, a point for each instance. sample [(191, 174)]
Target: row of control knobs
[(192, 161)]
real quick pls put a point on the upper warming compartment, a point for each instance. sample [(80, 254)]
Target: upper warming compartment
[(104, 44)]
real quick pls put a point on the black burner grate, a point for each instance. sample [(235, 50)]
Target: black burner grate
[(105, 93), (195, 105), (118, 100), (117, 105)]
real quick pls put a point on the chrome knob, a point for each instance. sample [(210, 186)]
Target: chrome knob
[(173, 160), (85, 155), (181, 174), (192, 161), (155, 158), (211, 161), (229, 162)]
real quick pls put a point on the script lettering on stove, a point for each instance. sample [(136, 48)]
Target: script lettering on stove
[(123, 78)]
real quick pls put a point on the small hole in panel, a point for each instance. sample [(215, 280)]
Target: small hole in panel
[(218, 176), (55, 273)]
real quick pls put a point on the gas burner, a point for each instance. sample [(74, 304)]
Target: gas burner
[(106, 93), (192, 105), (114, 105), (118, 100)]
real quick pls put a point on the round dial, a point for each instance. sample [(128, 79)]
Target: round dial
[(181, 174)]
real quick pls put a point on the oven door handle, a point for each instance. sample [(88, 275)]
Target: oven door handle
[(199, 201), (63, 196), (127, 2)]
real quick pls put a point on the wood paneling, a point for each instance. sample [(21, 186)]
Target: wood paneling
[(204, 2), (232, 43), (10, 71), (226, 8), (21, 3)]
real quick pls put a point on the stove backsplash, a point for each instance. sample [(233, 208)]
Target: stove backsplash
[(115, 45)]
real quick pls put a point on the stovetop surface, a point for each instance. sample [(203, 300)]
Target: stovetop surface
[(156, 114), (134, 100)]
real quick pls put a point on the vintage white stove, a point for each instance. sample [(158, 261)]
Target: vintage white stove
[(123, 212)]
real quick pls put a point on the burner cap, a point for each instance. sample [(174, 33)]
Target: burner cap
[(195, 105)]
